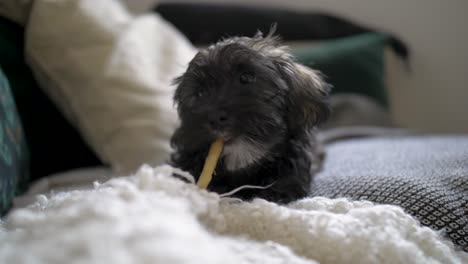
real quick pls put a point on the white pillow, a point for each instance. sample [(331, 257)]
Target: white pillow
[(110, 74)]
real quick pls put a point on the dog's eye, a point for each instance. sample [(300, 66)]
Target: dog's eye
[(247, 77)]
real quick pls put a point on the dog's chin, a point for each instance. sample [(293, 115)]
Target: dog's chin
[(240, 153)]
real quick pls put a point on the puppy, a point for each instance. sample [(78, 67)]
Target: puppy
[(252, 93)]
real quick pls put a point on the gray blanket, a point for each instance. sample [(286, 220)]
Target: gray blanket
[(426, 175)]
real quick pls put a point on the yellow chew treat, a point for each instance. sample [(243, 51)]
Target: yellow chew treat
[(210, 163)]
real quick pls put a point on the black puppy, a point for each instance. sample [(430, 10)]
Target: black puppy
[(251, 92)]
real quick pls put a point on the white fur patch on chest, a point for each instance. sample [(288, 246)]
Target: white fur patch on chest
[(242, 153)]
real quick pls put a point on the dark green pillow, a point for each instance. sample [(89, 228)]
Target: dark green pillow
[(54, 144), (14, 159), (352, 64)]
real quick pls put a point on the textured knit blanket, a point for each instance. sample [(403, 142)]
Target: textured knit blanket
[(426, 175), (152, 217)]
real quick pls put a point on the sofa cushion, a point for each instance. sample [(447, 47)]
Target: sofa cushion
[(353, 64), (110, 74), (14, 166)]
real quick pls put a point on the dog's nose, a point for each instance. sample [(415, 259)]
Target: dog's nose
[(218, 120)]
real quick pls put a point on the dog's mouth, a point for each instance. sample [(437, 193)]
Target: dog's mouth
[(227, 137)]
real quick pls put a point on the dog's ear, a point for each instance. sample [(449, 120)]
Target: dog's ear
[(307, 95)]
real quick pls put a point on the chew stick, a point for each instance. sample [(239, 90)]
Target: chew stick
[(210, 163)]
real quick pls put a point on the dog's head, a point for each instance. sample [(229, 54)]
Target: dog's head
[(250, 92)]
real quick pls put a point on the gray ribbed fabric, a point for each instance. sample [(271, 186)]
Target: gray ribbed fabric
[(427, 176)]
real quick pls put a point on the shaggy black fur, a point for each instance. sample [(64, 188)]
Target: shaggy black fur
[(251, 92)]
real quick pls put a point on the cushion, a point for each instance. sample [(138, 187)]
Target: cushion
[(14, 174), (113, 81), (350, 109), (48, 133), (351, 64), (426, 175)]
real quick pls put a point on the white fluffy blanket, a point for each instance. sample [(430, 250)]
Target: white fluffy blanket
[(153, 218)]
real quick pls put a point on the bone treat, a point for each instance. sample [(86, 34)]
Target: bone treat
[(210, 163)]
